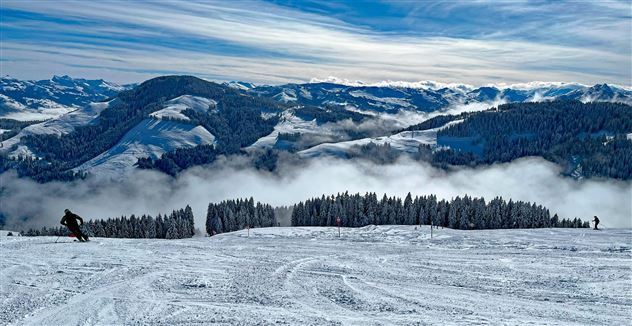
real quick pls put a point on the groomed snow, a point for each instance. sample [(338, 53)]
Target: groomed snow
[(393, 275), (150, 138)]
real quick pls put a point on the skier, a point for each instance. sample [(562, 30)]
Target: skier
[(596, 221), (70, 221)]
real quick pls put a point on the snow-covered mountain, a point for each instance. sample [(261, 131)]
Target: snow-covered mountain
[(158, 116), (177, 112), (432, 96), (162, 131), (51, 98)]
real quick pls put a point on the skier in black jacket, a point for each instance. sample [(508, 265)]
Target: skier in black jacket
[(70, 221), (596, 221)]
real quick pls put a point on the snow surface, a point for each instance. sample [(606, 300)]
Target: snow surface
[(150, 138), (288, 124), (174, 107), (3, 233), (382, 101), (44, 109), (62, 125), (392, 275), (406, 141)]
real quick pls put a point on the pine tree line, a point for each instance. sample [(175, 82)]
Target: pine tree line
[(459, 213), (177, 225), (233, 215)]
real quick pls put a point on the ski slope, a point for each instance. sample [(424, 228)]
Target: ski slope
[(386, 275)]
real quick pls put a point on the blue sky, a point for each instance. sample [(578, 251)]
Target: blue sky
[(277, 41)]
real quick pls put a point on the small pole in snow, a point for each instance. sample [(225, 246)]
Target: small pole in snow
[(248, 227), (338, 222), (430, 229)]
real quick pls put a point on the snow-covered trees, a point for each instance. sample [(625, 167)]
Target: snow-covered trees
[(177, 225), (233, 215), (586, 137), (459, 213)]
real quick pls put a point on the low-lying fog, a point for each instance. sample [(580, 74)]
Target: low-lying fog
[(149, 192)]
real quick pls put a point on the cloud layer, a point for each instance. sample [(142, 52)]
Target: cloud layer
[(529, 179), (284, 42)]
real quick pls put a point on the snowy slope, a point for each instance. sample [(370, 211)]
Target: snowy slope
[(12, 109), (150, 138), (51, 98), (406, 141), (62, 125), (392, 275), (173, 108), (290, 123)]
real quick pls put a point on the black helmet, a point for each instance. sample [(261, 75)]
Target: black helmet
[(67, 211)]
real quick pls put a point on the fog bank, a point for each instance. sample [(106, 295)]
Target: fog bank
[(26, 203)]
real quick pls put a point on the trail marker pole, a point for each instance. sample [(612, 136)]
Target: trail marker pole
[(338, 222), (430, 229), (248, 227)]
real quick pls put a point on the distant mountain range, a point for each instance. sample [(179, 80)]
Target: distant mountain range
[(51, 98), (100, 127), (428, 97)]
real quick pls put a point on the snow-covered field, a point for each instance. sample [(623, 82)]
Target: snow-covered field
[(307, 276)]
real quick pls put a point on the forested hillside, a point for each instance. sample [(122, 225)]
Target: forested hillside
[(237, 122), (590, 137), (585, 139)]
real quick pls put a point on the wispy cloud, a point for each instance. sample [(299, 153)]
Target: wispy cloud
[(276, 43)]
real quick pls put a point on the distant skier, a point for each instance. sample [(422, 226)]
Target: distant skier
[(596, 221), (70, 221)]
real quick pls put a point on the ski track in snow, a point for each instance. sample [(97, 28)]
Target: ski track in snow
[(391, 275)]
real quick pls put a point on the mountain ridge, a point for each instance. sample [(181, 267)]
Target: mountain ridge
[(237, 118)]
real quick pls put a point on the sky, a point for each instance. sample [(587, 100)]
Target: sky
[(279, 41)]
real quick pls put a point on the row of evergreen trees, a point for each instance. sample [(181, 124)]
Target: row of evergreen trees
[(458, 213), (233, 215), (353, 210), (178, 225)]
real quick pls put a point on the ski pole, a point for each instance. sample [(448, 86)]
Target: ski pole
[(57, 238)]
